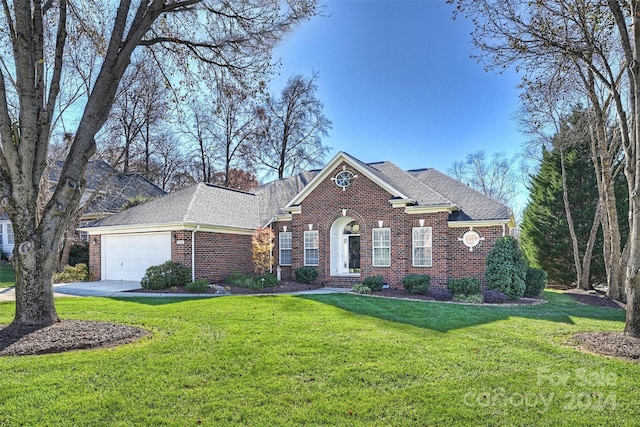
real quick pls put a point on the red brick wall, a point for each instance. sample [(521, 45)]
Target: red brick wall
[(466, 263), (95, 260), (367, 203), (217, 254)]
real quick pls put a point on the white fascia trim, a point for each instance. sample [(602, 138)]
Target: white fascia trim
[(280, 218), (297, 209), (413, 210), (122, 229), (479, 223), (329, 167), (401, 203)]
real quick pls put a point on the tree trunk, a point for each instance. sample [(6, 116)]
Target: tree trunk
[(34, 264), (611, 230), (588, 252), (572, 231)]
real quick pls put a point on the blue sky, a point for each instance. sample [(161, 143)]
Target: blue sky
[(397, 82)]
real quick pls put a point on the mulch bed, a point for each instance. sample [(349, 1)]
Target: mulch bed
[(595, 298), (284, 286), (402, 294), (65, 336), (615, 344)]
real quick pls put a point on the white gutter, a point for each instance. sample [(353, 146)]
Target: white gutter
[(193, 253)]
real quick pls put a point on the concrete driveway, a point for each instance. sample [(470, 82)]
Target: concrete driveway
[(119, 288)]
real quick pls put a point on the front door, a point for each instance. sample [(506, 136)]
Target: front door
[(354, 254), (351, 254)]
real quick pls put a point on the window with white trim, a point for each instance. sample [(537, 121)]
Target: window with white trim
[(381, 247), (311, 248), (422, 247), (284, 244), (1, 234), (10, 235)]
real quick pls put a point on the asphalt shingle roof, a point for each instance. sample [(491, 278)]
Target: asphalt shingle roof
[(410, 186), (472, 204), (207, 204), (115, 188), (204, 204), (275, 195)]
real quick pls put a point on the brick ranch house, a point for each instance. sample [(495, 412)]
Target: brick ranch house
[(350, 219)]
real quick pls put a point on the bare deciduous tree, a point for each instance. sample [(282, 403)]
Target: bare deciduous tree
[(495, 177), (291, 127), (39, 38), (593, 44)]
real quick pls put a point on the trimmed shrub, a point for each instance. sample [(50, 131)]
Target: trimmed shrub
[(506, 268), (359, 288), (375, 283), (416, 283), (198, 285), (70, 274), (535, 282), (464, 286), (494, 296), (166, 275), (270, 280), (306, 275), (470, 299), (440, 294), (79, 254), (238, 278)]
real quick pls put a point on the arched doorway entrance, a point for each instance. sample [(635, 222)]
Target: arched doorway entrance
[(345, 247)]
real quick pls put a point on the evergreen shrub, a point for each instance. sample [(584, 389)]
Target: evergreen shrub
[(306, 274), (494, 296), (464, 286), (535, 282), (416, 283), (375, 283), (71, 274), (506, 268), (166, 275), (198, 285)]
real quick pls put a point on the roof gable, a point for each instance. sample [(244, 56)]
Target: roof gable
[(356, 164)]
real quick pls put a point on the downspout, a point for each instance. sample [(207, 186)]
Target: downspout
[(504, 229), (193, 253), (271, 251)]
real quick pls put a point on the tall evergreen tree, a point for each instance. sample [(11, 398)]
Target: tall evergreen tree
[(545, 238)]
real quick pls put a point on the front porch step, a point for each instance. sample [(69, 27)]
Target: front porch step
[(343, 281)]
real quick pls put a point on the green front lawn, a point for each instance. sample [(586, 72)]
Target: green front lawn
[(326, 360), (7, 278)]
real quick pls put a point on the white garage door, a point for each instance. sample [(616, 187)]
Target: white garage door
[(127, 257)]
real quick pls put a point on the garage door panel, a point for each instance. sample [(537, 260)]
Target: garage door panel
[(127, 256)]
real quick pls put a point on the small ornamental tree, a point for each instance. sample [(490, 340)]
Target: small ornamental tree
[(262, 245), (506, 268)]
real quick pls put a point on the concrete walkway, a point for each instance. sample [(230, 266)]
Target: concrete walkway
[(113, 288)]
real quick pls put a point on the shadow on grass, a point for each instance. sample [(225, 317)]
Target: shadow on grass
[(12, 333), (444, 317), (158, 301)]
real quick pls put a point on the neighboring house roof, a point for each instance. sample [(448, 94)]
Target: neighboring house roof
[(213, 206), (472, 204), (115, 188), (201, 204)]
